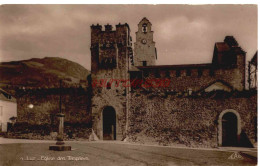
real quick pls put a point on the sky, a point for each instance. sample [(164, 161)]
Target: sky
[(184, 34)]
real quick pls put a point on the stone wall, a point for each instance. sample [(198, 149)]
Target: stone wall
[(40, 120), (75, 105), (192, 121), (72, 131), (234, 76)]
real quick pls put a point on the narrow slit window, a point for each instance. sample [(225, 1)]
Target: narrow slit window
[(199, 72)]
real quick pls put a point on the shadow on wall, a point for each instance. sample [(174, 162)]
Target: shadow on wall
[(244, 140)]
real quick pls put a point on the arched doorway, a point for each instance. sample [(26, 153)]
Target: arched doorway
[(229, 129), (109, 123)]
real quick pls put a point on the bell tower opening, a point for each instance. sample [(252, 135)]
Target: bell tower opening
[(144, 28)]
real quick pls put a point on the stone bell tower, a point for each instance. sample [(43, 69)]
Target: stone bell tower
[(110, 51), (144, 48)]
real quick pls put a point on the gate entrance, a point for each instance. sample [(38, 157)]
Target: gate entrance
[(229, 129), (109, 123)]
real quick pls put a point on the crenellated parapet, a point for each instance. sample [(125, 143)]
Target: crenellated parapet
[(109, 28), (96, 27), (106, 34)]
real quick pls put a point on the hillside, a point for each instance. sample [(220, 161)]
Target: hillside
[(44, 73)]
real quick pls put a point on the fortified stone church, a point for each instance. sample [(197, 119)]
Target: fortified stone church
[(204, 103)]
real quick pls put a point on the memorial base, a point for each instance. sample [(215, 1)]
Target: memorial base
[(60, 147)]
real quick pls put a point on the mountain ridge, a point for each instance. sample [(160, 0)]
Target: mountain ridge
[(42, 72)]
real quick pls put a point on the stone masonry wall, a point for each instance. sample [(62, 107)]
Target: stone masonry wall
[(234, 76), (40, 122), (75, 105), (192, 121)]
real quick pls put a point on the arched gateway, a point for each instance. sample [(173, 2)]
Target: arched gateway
[(109, 123), (229, 128)]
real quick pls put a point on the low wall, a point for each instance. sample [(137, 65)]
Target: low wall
[(46, 103), (72, 131), (40, 121)]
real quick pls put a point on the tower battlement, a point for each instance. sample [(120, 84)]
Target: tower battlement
[(96, 27), (109, 28), (101, 35)]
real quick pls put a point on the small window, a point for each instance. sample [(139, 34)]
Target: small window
[(189, 92), (178, 73), (144, 63), (199, 72), (188, 72)]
